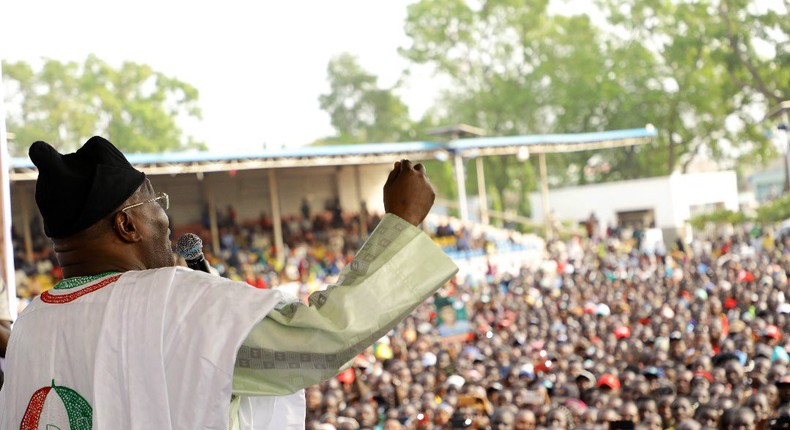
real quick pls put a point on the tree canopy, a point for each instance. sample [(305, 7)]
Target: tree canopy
[(703, 73), (64, 103), (359, 109)]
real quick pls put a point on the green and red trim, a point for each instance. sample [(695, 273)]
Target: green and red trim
[(49, 297)]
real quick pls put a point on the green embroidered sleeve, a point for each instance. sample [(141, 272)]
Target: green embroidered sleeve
[(297, 345)]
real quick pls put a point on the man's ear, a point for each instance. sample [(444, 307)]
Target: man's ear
[(125, 227)]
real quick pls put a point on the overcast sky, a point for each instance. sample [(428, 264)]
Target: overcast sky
[(259, 66)]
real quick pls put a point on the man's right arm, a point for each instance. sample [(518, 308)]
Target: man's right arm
[(396, 270), (298, 345)]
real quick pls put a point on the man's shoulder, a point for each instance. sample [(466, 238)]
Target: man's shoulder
[(183, 285), (190, 292), (182, 276), (165, 278), (188, 275)]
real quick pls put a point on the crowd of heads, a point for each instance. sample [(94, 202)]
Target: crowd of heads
[(593, 334), (597, 335)]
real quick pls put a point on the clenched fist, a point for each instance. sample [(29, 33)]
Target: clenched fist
[(408, 192)]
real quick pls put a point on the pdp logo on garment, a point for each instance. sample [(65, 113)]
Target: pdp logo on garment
[(57, 408)]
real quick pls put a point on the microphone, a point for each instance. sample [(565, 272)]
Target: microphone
[(190, 247)]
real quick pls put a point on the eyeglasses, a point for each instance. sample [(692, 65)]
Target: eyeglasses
[(161, 198)]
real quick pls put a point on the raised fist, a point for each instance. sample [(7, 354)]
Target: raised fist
[(408, 192)]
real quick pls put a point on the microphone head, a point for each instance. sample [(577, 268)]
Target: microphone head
[(190, 247)]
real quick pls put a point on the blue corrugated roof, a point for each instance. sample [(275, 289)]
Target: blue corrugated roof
[(552, 139), (307, 151), (379, 148)]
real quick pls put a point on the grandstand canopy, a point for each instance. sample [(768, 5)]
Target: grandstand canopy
[(372, 153), (553, 143)]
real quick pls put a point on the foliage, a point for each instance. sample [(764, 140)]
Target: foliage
[(713, 77), (768, 213), (775, 211), (718, 217), (64, 104), (360, 111), (703, 73), (516, 68)]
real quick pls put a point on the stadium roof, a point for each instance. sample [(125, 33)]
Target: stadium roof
[(375, 153), (552, 143)]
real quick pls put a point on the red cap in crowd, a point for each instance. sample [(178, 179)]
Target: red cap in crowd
[(609, 380), (773, 332), (703, 374), (622, 332), (347, 376), (744, 276)]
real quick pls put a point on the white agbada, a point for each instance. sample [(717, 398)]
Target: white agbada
[(272, 412), (134, 376)]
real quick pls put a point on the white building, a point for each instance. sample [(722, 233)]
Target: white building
[(665, 202)]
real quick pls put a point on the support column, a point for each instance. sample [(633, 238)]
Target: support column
[(9, 272), (460, 183), (482, 195), (276, 216), (26, 234), (363, 208), (212, 215), (544, 195)]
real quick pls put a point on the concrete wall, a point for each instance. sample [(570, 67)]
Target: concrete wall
[(702, 189), (671, 198), (605, 200)]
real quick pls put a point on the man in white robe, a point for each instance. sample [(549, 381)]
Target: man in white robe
[(127, 341)]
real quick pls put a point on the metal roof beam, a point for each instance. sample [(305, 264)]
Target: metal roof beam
[(28, 174), (557, 147)]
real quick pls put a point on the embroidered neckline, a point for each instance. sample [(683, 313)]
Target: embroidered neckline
[(78, 281), (49, 297)]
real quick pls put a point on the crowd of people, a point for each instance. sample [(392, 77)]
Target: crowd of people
[(595, 334), (599, 336)]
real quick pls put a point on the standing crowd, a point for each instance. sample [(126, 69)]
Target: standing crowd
[(596, 335)]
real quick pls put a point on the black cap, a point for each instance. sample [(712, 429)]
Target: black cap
[(74, 191), (723, 358)]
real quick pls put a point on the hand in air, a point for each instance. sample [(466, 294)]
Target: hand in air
[(408, 192)]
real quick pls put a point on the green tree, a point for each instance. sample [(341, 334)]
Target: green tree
[(362, 112), (762, 70), (359, 109), (714, 77), (64, 103), (516, 69), (690, 68)]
